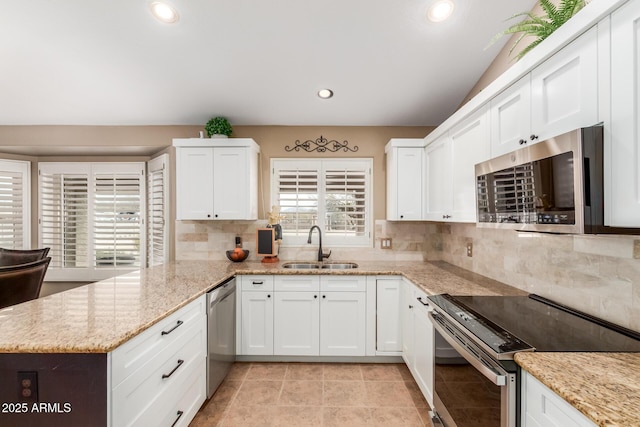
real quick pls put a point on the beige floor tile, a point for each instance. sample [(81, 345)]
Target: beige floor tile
[(342, 372), (305, 371), (247, 416), (306, 393), (383, 393), (258, 393), (404, 372), (288, 416), (238, 371), (416, 394), (380, 372), (391, 417), (346, 416), (424, 415), (344, 393), (267, 371), (226, 391)]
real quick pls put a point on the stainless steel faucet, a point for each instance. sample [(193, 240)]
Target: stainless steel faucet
[(321, 254)]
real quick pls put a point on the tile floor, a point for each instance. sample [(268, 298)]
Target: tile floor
[(315, 394)]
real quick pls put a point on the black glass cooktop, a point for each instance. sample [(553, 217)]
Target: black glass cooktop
[(508, 324)]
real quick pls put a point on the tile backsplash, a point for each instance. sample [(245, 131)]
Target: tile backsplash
[(596, 274)]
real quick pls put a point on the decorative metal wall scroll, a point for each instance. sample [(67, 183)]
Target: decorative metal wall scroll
[(322, 145)]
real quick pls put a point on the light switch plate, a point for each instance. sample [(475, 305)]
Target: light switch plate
[(385, 243)]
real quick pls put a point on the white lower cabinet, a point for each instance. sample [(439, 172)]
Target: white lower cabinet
[(303, 315), (296, 323), (159, 377), (541, 407), (388, 319), (418, 339)]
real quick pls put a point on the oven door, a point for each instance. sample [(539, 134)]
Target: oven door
[(471, 388)]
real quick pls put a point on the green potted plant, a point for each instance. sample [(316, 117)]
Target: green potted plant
[(218, 127), (542, 26)]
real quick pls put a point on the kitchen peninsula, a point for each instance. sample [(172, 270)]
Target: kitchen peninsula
[(89, 324)]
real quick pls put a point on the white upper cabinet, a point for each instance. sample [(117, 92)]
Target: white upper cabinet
[(564, 89), (558, 96), (622, 155), (439, 191), (450, 164), (511, 117), (405, 179), (216, 179), (469, 146)]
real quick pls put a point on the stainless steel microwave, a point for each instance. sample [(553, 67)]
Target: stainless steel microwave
[(552, 186)]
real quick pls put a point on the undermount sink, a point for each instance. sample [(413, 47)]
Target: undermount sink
[(327, 265)]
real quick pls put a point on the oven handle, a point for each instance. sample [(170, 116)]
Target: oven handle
[(489, 373)]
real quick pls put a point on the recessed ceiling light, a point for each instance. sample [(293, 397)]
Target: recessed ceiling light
[(440, 10), (325, 93), (163, 12)]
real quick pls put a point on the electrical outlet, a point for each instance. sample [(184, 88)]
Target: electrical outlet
[(385, 243), (27, 386), (469, 249)]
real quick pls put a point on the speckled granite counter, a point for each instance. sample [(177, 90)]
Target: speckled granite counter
[(603, 386), (97, 318)]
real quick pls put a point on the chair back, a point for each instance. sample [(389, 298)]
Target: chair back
[(20, 283), (21, 256)]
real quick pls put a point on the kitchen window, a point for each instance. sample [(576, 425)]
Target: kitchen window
[(91, 216), (335, 194), (15, 206)]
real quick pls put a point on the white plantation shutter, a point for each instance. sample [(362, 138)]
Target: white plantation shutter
[(157, 211), (117, 217), (14, 204), (334, 194), (90, 217), (64, 215)]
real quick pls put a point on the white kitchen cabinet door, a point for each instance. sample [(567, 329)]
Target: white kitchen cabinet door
[(404, 183), (407, 309), (194, 183), (622, 156), (296, 324), (439, 191), (564, 89), (424, 350), (388, 319), (511, 118), (541, 407), (231, 179), (343, 323), (257, 323), (469, 145)]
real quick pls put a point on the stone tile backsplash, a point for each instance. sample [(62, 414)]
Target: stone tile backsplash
[(596, 274)]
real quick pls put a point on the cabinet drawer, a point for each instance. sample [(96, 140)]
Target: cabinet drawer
[(257, 283), (343, 283), (146, 390), (297, 283), (138, 351)]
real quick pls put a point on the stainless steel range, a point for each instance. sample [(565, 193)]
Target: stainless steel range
[(477, 383)]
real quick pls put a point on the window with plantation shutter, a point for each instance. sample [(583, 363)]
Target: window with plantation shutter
[(157, 211), (90, 215), (15, 204), (334, 194)]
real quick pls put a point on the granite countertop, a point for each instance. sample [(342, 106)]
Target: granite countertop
[(99, 317), (603, 386)]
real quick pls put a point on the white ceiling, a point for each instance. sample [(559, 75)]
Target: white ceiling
[(258, 62)]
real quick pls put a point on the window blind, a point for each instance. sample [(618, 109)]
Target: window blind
[(14, 204), (334, 194), (157, 210)]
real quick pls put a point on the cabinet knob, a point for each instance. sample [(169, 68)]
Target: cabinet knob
[(533, 137), (208, 215), (315, 296), (268, 296), (401, 216), (324, 296), (410, 306), (216, 215), (446, 216), (522, 141)]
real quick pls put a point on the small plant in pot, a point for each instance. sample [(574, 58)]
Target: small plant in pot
[(218, 127)]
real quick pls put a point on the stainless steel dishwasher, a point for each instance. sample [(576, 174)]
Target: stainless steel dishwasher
[(221, 333)]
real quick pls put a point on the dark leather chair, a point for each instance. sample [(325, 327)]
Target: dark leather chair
[(20, 283), (21, 256)]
